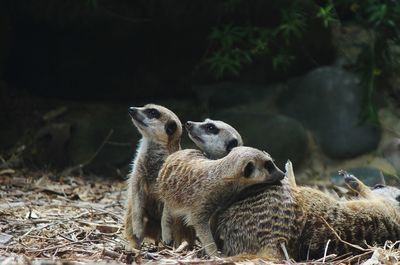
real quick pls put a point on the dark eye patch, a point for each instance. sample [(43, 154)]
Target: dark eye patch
[(210, 128), (248, 170), (152, 113), (269, 166), (231, 144), (379, 186), (398, 198), (170, 127)]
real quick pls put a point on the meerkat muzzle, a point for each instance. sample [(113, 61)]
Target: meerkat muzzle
[(189, 126), (277, 176), (136, 116)]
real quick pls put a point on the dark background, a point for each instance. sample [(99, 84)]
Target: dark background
[(70, 69)]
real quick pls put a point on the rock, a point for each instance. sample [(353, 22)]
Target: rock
[(281, 136), (222, 95), (50, 145), (91, 123), (328, 100), (391, 152)]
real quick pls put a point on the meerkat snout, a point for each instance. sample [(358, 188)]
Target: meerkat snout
[(189, 125)]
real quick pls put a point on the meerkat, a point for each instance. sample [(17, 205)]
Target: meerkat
[(261, 221), (389, 194), (161, 131), (192, 186), (370, 219), (215, 138), (303, 218)]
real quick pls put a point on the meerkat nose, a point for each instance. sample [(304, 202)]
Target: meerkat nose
[(189, 125), (132, 110)]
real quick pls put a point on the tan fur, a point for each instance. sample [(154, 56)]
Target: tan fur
[(143, 208), (260, 220), (251, 225), (193, 186), (372, 220)]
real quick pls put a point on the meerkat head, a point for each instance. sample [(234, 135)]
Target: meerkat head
[(391, 193), (215, 138), (253, 166), (157, 123)]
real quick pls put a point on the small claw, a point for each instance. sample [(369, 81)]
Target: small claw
[(351, 181)]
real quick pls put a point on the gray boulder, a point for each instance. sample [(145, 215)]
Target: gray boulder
[(281, 136), (328, 100)]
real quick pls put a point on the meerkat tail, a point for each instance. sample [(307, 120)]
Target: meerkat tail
[(290, 174)]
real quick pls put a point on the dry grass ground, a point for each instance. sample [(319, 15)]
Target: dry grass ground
[(77, 220)]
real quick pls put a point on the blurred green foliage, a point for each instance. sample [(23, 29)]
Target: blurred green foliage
[(235, 46)]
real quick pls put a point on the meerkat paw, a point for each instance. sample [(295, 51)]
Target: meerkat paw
[(166, 236), (351, 181), (356, 185), (134, 241), (212, 250)]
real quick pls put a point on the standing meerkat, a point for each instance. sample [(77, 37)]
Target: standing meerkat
[(215, 138), (192, 186), (161, 132)]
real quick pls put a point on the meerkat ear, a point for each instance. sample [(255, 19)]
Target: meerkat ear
[(231, 144), (170, 128), (248, 170)]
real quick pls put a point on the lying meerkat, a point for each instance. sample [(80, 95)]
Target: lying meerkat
[(303, 218), (161, 132), (192, 186), (386, 194), (372, 218), (215, 138), (261, 221)]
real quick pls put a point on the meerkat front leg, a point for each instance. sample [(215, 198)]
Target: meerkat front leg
[(166, 231), (356, 185), (137, 218), (203, 230), (128, 232), (134, 227)]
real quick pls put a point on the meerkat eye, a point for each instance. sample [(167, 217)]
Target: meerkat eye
[(152, 113), (248, 170), (269, 166), (398, 198), (211, 128), (378, 186)]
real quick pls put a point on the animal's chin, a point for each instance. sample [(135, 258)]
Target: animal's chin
[(138, 123), (274, 182), (195, 138)]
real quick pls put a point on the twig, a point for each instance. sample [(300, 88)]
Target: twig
[(285, 252), (60, 246), (80, 166), (182, 247), (326, 250), (340, 239)]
